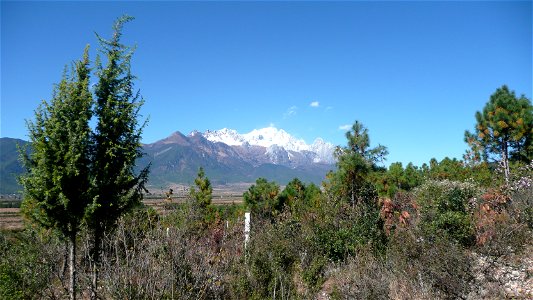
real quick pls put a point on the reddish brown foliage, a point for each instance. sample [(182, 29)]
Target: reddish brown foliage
[(398, 212), (489, 214)]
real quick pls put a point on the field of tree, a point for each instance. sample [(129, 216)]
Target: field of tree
[(449, 229)]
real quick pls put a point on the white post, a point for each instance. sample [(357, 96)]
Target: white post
[(246, 229)]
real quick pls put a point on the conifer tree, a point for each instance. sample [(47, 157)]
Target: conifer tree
[(78, 176), (355, 162), (351, 188), (117, 142), (57, 183), (504, 129), (293, 194), (204, 194), (262, 198)]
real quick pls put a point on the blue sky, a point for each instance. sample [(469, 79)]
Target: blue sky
[(414, 73)]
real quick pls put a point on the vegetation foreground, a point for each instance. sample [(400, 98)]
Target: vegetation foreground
[(444, 239), (448, 230)]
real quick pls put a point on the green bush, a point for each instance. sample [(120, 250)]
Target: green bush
[(445, 209), (271, 256), (340, 230), (26, 265), (313, 275), (262, 199), (11, 283)]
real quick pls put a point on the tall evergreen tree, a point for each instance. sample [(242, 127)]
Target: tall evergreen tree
[(117, 142), (504, 129), (354, 163), (78, 176), (58, 179), (351, 184)]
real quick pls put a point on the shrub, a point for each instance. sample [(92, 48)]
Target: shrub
[(446, 208), (398, 212), (28, 265), (503, 220), (313, 274), (262, 199), (272, 254), (338, 229), (363, 277), (424, 269)]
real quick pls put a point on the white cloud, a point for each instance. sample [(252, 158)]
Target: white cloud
[(345, 127), (314, 104), (291, 111)]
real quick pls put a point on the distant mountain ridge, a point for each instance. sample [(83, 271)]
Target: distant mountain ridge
[(271, 137), (230, 157), (226, 156), (10, 166)]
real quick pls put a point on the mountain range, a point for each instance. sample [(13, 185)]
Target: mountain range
[(226, 156), (10, 166)]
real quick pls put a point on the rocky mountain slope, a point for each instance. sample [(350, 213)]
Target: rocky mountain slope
[(227, 157)]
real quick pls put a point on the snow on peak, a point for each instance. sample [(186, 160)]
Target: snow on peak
[(227, 136), (272, 136), (194, 133)]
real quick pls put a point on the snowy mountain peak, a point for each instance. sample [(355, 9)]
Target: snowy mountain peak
[(194, 133), (272, 136), (227, 136)]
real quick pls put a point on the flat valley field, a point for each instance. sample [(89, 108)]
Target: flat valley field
[(11, 219)]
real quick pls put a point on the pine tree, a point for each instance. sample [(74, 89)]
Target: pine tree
[(204, 192), (355, 162), (58, 179), (262, 199), (354, 194), (504, 129), (293, 194)]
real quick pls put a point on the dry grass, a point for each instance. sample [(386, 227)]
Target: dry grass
[(11, 219)]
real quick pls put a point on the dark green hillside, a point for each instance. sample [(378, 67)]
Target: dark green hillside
[(10, 166)]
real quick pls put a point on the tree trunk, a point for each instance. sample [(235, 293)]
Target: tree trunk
[(72, 264), (96, 265), (505, 161), (65, 261), (352, 196), (352, 189)]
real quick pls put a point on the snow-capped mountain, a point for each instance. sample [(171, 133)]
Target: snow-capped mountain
[(226, 156), (276, 141), (227, 136)]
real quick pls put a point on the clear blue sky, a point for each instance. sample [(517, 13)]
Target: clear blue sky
[(413, 72)]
